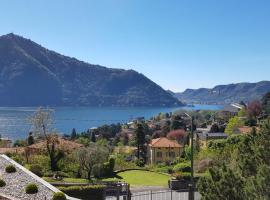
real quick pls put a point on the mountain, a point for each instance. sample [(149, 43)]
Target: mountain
[(31, 75), (225, 94)]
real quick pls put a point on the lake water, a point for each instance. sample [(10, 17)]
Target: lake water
[(14, 121)]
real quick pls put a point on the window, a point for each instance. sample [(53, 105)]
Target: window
[(159, 154), (172, 154)]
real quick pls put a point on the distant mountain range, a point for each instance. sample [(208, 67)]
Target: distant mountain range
[(31, 75), (225, 94)]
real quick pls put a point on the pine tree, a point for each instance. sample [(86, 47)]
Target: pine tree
[(30, 139), (93, 136), (140, 141), (73, 134)]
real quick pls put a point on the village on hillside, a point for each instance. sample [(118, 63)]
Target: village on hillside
[(169, 152)]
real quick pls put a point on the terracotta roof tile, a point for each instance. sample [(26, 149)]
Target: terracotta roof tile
[(164, 142)]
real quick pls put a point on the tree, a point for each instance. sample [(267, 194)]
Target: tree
[(214, 128), (73, 134), (233, 126), (42, 125), (178, 135), (93, 136), (30, 139), (246, 175), (266, 103), (140, 141), (254, 109), (91, 156), (124, 138), (222, 184)]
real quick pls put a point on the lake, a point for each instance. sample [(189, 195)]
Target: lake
[(14, 121)]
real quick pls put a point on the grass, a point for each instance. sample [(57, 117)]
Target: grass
[(142, 178), (67, 180), (133, 177)]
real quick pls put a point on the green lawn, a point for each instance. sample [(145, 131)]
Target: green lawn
[(142, 178), (67, 180), (133, 177)]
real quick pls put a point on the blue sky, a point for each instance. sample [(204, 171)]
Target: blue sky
[(178, 44)]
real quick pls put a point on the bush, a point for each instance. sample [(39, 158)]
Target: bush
[(85, 192), (182, 167), (98, 171), (10, 169), (182, 176), (59, 196), (2, 183), (36, 169), (31, 188)]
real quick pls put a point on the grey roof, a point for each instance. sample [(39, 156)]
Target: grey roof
[(212, 136)]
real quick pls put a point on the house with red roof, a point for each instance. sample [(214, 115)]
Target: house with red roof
[(163, 150)]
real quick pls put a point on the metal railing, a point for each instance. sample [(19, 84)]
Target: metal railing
[(156, 195)]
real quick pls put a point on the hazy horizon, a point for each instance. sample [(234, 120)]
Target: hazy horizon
[(178, 45)]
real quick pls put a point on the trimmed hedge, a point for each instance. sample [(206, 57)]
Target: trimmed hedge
[(182, 167), (2, 183), (31, 188), (183, 176), (10, 169), (59, 196), (96, 192), (36, 169)]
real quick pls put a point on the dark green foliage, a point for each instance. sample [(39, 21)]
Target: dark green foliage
[(59, 196), (258, 187), (183, 176), (36, 169), (73, 135), (216, 144), (140, 142), (266, 103), (222, 184), (214, 128), (247, 175), (96, 192), (177, 124), (2, 183), (20, 143), (108, 167), (182, 167), (93, 137), (10, 169), (30, 139), (31, 188)]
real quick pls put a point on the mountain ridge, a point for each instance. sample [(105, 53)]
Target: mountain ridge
[(225, 94), (31, 75)]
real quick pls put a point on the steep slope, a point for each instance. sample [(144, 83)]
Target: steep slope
[(33, 75), (223, 94)]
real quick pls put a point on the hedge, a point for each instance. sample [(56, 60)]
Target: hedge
[(96, 192), (182, 167)]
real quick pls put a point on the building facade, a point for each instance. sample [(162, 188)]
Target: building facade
[(163, 150)]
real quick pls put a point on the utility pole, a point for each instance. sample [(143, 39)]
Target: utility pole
[(191, 186)]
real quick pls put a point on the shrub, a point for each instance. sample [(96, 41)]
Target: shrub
[(2, 183), (182, 167), (36, 169), (98, 171), (10, 169), (31, 188), (182, 176), (59, 196), (85, 192)]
